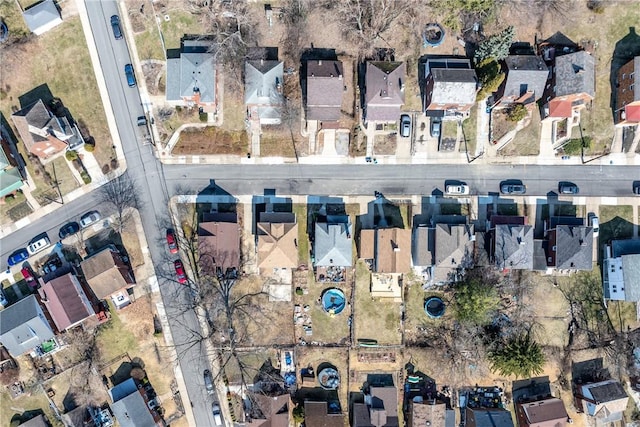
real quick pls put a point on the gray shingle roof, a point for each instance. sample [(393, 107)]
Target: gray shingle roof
[(333, 244), (41, 16), (384, 82), (574, 248), (132, 411), (607, 391), (575, 73), (262, 79), (489, 417), (453, 86), (514, 246), (194, 70), (325, 87), (23, 326), (525, 73), (423, 244)]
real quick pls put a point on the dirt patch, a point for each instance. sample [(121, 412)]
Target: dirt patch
[(152, 73), (210, 141), (385, 144), (281, 140), (500, 125)]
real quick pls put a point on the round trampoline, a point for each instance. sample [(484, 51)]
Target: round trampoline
[(4, 31), (434, 307), (328, 377), (333, 301), (432, 35)]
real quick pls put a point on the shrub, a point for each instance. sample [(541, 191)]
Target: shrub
[(596, 6), (77, 163), (85, 177), (490, 77), (105, 169), (574, 146), (517, 113), (71, 155), (299, 291), (114, 164), (89, 148), (474, 301), (204, 117)]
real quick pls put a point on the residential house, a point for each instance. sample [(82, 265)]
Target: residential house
[(574, 85), (274, 410), (43, 133), (24, 326), (10, 177), (218, 243), (316, 414), (605, 401), (444, 251), (65, 301), (525, 80), (450, 87), (488, 417), (333, 245), (132, 407), (621, 270), (570, 247), (108, 276), (191, 74), (277, 241), (388, 252), (42, 16), (263, 83), (430, 413), (383, 91), (380, 408), (511, 243), (549, 412), (627, 96), (324, 90), (38, 421)]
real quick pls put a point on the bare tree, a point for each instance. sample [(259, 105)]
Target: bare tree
[(122, 193), (294, 15)]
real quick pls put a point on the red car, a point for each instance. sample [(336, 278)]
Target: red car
[(172, 242), (27, 274), (182, 277)]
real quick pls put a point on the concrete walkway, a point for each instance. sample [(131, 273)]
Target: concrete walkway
[(482, 127)]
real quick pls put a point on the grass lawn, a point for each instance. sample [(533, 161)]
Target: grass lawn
[(58, 61), (277, 141), (450, 129), (12, 16), (115, 338), (616, 222), (303, 238), (527, 140), (14, 208), (63, 175), (211, 140), (374, 318), (414, 299), (622, 315), (37, 401), (469, 132)]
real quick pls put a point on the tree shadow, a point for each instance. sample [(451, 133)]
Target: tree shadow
[(624, 51)]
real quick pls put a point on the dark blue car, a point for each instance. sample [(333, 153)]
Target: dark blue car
[(17, 257), (131, 78), (69, 229)]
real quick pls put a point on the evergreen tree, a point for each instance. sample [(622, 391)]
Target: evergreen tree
[(519, 356), (495, 46)]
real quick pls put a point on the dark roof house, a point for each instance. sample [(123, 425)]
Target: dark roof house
[(450, 87), (23, 326), (525, 81), (218, 243), (627, 96), (606, 401), (453, 251), (548, 412), (65, 301), (488, 417), (42, 16), (263, 83), (108, 276), (274, 409), (43, 133), (333, 244), (384, 90), (316, 414), (131, 406), (38, 421), (570, 247), (379, 410), (191, 74), (574, 84), (324, 90), (512, 246)]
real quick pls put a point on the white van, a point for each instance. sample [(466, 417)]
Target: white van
[(38, 245), (216, 414)]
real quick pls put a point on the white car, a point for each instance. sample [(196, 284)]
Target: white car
[(458, 190), (594, 222), (89, 218), (39, 245)]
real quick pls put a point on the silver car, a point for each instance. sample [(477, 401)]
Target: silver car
[(89, 218)]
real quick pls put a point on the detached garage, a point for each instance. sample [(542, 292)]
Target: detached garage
[(42, 17)]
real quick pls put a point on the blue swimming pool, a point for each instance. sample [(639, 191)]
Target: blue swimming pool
[(333, 301)]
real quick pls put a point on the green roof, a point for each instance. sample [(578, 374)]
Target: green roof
[(10, 181)]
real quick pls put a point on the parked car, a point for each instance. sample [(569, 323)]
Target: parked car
[(171, 241), (568, 188), (3, 300), (435, 128), (457, 190), (115, 26), (131, 78), (594, 223), (38, 245), (513, 189), (208, 381), (215, 408), (69, 229), (142, 120), (89, 218), (182, 277), (636, 187), (17, 257), (27, 273), (405, 125)]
